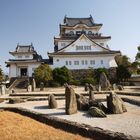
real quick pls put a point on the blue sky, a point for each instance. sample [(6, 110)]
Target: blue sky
[(37, 21)]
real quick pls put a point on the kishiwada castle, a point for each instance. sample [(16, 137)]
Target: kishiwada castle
[(80, 45)]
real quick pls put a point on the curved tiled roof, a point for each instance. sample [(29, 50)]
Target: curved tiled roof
[(85, 53), (74, 21)]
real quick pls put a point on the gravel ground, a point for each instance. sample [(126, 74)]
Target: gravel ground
[(127, 123)]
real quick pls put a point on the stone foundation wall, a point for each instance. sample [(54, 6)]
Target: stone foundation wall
[(84, 73)]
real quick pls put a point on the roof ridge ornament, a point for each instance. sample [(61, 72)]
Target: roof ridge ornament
[(91, 18), (65, 18)]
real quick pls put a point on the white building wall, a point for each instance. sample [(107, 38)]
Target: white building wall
[(13, 70), (31, 68), (62, 44), (23, 56), (108, 61)]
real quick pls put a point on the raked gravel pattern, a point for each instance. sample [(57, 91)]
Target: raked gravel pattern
[(127, 123)]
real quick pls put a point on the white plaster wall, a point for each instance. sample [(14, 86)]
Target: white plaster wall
[(60, 44), (31, 68), (12, 71), (23, 56), (108, 61)]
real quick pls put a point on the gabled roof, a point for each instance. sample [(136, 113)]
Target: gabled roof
[(88, 39), (24, 49), (74, 21)]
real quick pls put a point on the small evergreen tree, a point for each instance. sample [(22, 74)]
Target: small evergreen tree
[(123, 73), (122, 60), (61, 75), (43, 74), (138, 54), (1, 75)]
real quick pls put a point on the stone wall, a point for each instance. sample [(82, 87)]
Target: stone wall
[(84, 73)]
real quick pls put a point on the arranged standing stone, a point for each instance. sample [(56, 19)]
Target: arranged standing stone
[(104, 82), (52, 101), (115, 104), (120, 87), (41, 86), (91, 95), (82, 103), (29, 88), (91, 87), (33, 84), (2, 89), (114, 86), (96, 112), (71, 103), (86, 86)]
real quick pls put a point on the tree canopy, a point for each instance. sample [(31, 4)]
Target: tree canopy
[(61, 75), (1, 75), (123, 73), (43, 74), (123, 60)]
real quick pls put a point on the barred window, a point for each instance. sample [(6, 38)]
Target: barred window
[(102, 61), (86, 62), (92, 62), (66, 62), (76, 62)]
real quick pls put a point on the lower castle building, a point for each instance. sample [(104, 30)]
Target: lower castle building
[(25, 61)]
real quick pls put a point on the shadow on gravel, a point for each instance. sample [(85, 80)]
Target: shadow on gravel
[(56, 113), (41, 107)]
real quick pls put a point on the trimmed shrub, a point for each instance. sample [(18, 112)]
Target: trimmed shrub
[(54, 84), (61, 75), (75, 82), (88, 80)]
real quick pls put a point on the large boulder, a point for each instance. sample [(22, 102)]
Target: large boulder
[(104, 82), (96, 112), (101, 106), (71, 103), (52, 101), (82, 102), (115, 104), (16, 100), (120, 87)]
